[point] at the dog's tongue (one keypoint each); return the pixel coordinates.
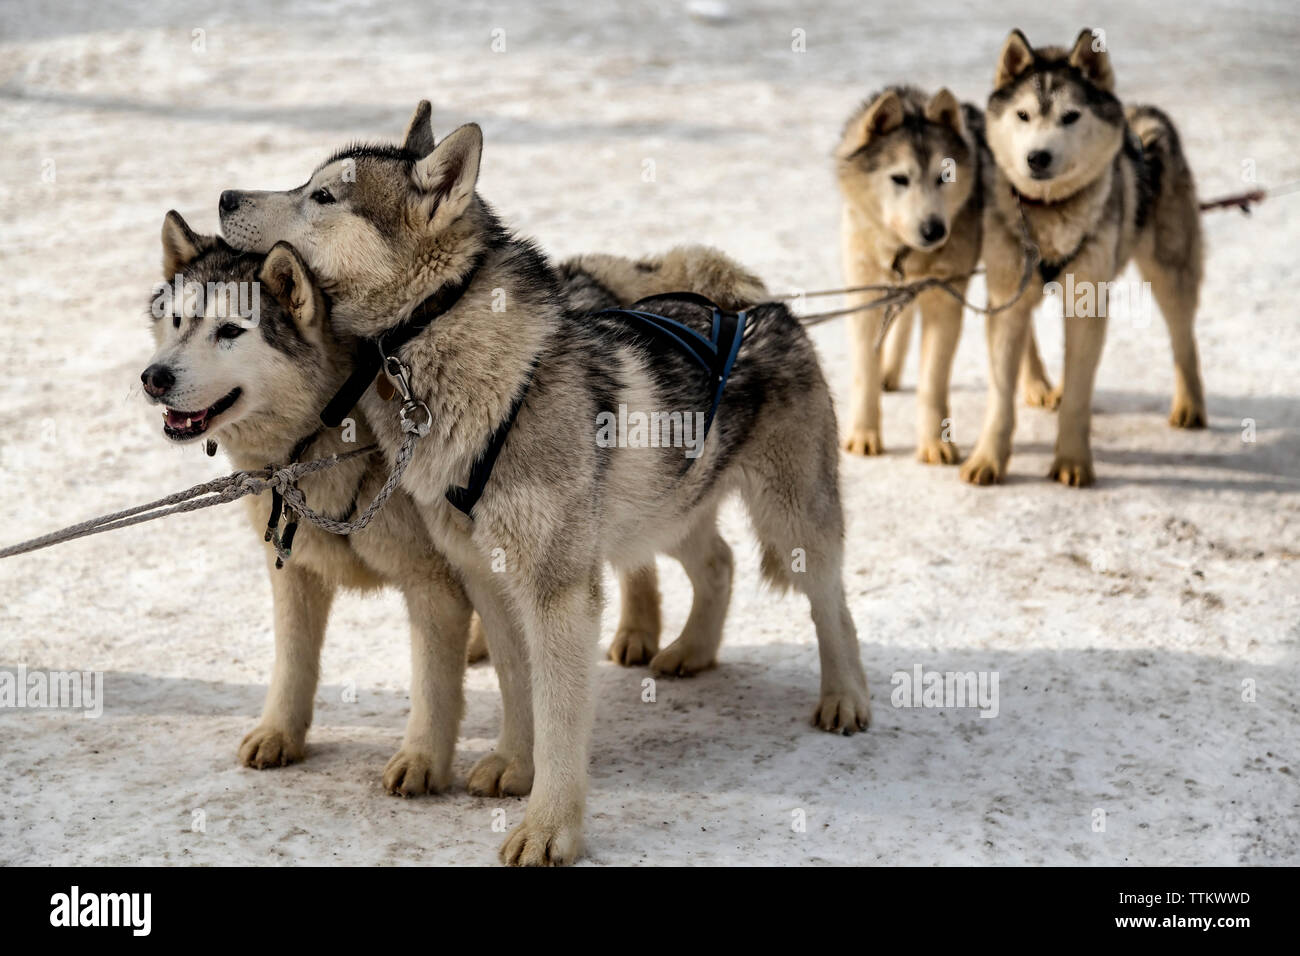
(183, 419)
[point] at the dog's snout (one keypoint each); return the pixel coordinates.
(933, 229)
(157, 379)
(1039, 160)
(229, 200)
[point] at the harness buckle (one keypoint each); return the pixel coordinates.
(400, 376)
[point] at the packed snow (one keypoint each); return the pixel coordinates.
(1143, 632)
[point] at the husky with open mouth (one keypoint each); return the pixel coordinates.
(405, 247)
(256, 384)
(1094, 185)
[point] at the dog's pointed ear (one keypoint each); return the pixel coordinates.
(287, 278)
(419, 131)
(1089, 57)
(1016, 57)
(884, 115)
(944, 109)
(445, 179)
(180, 244)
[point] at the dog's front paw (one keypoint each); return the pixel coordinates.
(536, 843)
(891, 380)
(632, 646)
(1075, 471)
(266, 746)
(934, 451)
(411, 773)
(1187, 413)
(843, 711)
(864, 441)
(1039, 393)
(981, 468)
(498, 776)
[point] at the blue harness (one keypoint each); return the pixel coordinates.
(716, 354)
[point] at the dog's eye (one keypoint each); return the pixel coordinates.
(1070, 116)
(230, 331)
(1024, 117)
(899, 179)
(323, 196)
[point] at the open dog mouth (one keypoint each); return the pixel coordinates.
(182, 426)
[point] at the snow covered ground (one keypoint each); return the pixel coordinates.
(1144, 632)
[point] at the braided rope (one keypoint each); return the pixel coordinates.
(295, 499)
(232, 487)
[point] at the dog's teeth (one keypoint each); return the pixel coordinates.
(187, 422)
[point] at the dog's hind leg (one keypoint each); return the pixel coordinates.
(707, 561)
(302, 605)
(1035, 386)
(894, 351)
(508, 768)
(1176, 289)
(795, 507)
(439, 617)
(637, 637)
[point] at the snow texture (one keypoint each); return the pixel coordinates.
(1127, 623)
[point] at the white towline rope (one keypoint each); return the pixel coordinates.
(232, 487)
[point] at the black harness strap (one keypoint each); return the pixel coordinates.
(716, 354)
(370, 352)
(464, 499)
(285, 540)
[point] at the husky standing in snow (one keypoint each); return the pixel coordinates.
(407, 251)
(257, 389)
(1096, 186)
(910, 169)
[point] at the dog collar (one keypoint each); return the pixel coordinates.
(370, 353)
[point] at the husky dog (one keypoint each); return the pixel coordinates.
(1096, 187)
(909, 168)
(598, 281)
(388, 229)
(258, 390)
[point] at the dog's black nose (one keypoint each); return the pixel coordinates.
(229, 201)
(933, 229)
(157, 379)
(1038, 161)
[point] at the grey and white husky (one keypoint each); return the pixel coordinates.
(1096, 186)
(385, 229)
(255, 382)
(910, 170)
